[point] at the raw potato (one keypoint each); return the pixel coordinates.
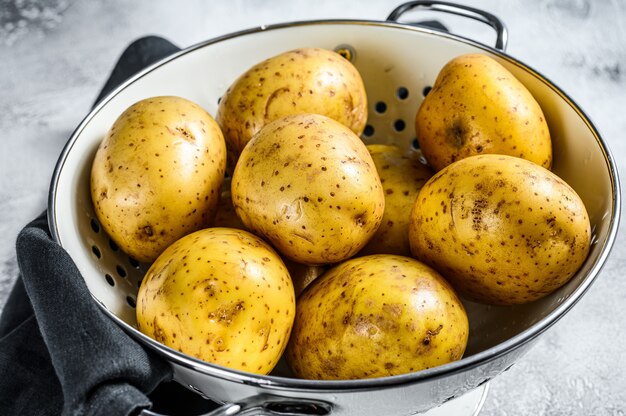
(502, 230)
(301, 274)
(477, 106)
(376, 316)
(309, 186)
(226, 215)
(157, 175)
(402, 176)
(221, 295)
(306, 80)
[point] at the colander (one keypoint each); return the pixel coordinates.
(398, 63)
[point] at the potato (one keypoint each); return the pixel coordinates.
(308, 185)
(477, 106)
(301, 274)
(306, 80)
(501, 229)
(402, 176)
(221, 295)
(226, 215)
(157, 175)
(376, 316)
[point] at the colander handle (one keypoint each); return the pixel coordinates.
(267, 405)
(459, 10)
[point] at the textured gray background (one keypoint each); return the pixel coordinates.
(56, 54)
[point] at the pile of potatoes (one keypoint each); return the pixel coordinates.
(346, 259)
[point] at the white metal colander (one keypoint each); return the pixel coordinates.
(398, 64)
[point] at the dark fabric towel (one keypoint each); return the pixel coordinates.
(59, 354)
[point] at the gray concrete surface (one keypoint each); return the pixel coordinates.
(56, 54)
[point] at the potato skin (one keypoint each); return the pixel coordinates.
(501, 229)
(402, 176)
(376, 316)
(226, 215)
(221, 295)
(477, 106)
(157, 175)
(301, 274)
(308, 185)
(306, 80)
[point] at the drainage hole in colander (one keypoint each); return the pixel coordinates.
(96, 251)
(113, 246)
(346, 51)
(399, 125)
(139, 282)
(415, 144)
(426, 90)
(402, 93)
(368, 131)
(109, 279)
(218, 100)
(133, 262)
(380, 107)
(95, 226)
(120, 270)
(131, 301)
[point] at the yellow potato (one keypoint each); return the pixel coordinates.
(157, 175)
(501, 229)
(376, 316)
(306, 80)
(226, 215)
(402, 176)
(303, 275)
(221, 295)
(477, 106)
(309, 186)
